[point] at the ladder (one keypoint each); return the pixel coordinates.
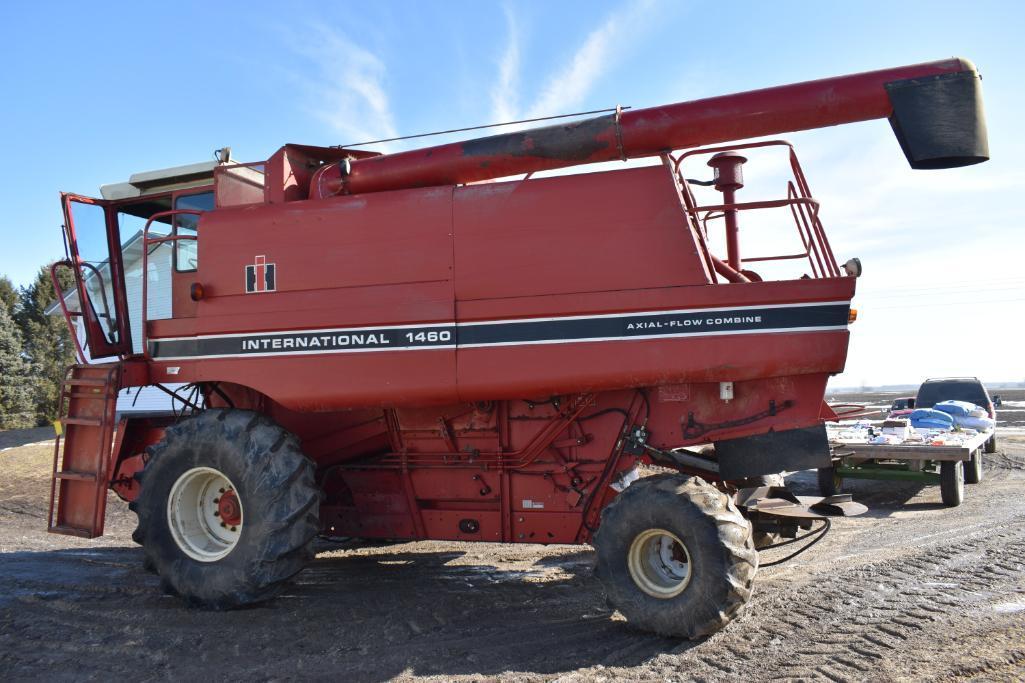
(78, 487)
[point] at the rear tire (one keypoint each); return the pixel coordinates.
(829, 481)
(973, 468)
(675, 556)
(268, 535)
(952, 482)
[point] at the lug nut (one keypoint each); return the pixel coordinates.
(223, 525)
(220, 490)
(216, 501)
(217, 513)
(234, 528)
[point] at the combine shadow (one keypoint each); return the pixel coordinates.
(364, 615)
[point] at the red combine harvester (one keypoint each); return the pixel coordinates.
(380, 346)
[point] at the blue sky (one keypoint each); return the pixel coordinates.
(92, 95)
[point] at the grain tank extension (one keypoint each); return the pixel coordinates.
(434, 344)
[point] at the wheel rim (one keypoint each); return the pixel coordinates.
(659, 563)
(204, 513)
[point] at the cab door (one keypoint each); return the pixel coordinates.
(96, 255)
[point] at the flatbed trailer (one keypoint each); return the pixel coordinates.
(949, 466)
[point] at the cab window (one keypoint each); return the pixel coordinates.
(186, 254)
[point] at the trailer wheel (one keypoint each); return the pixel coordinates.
(829, 481)
(675, 556)
(227, 509)
(973, 468)
(952, 482)
(991, 444)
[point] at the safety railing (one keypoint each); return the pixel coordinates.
(68, 315)
(803, 207)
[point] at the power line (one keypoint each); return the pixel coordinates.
(488, 125)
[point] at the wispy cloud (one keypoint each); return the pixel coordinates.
(569, 86)
(344, 84)
(504, 100)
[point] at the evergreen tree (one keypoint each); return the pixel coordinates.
(16, 406)
(8, 294)
(48, 344)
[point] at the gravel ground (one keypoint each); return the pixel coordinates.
(910, 591)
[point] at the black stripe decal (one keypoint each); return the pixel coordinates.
(546, 331)
(654, 324)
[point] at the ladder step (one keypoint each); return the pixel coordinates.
(85, 397)
(70, 531)
(84, 421)
(85, 382)
(76, 476)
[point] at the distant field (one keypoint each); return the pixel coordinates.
(1010, 415)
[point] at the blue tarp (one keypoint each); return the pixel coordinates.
(927, 418)
(957, 408)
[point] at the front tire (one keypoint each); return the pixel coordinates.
(228, 509)
(675, 556)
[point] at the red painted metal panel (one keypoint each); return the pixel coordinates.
(551, 369)
(468, 486)
(661, 298)
(445, 525)
(614, 231)
(546, 527)
(387, 239)
(314, 248)
(330, 382)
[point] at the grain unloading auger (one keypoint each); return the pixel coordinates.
(380, 346)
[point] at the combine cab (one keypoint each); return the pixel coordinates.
(380, 346)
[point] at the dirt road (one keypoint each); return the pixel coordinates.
(911, 591)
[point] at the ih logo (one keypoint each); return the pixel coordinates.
(261, 276)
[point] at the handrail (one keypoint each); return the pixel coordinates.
(103, 295)
(64, 306)
(146, 241)
(803, 207)
(728, 148)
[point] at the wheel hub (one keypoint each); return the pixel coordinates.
(229, 508)
(204, 514)
(659, 563)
